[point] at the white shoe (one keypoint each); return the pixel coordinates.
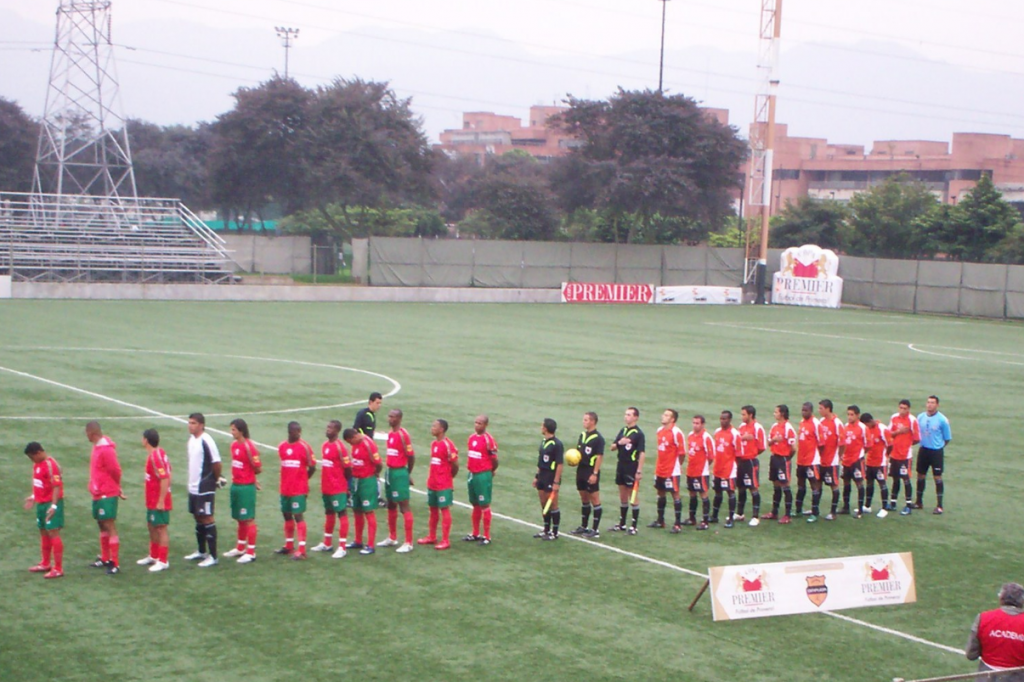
(339, 553)
(865, 510)
(404, 549)
(208, 561)
(148, 561)
(196, 556)
(387, 542)
(882, 513)
(247, 558)
(158, 566)
(321, 548)
(755, 521)
(233, 553)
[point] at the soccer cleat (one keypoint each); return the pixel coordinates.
(426, 541)
(484, 542)
(690, 522)
(541, 535)
(443, 545)
(892, 505)
(40, 568)
(728, 523)
(113, 570)
(812, 519)
(656, 524)
(631, 530)
(856, 514)
(617, 527)
(99, 563)
(551, 536)
(808, 513)
(231, 553)
(195, 556)
(158, 566)
(905, 511)
(148, 561)
(283, 550)
(593, 534)
(784, 519)
(472, 538)
(322, 548)
(405, 548)
(367, 551)
(754, 522)
(844, 510)
(247, 558)
(882, 513)
(739, 517)
(918, 505)
(578, 530)
(770, 516)
(353, 545)
(339, 553)
(830, 517)
(299, 556)
(702, 526)
(388, 542)
(713, 519)
(54, 574)
(208, 562)
(937, 511)
(677, 528)
(865, 510)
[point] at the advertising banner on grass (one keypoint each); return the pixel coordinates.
(785, 588)
(681, 295)
(595, 292)
(5, 286)
(808, 275)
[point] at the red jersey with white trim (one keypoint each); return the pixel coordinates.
(45, 477)
(876, 440)
(830, 435)
(481, 448)
(701, 448)
(750, 449)
(104, 470)
(243, 471)
(333, 461)
(787, 433)
(727, 444)
(671, 446)
(399, 449)
(854, 438)
(903, 443)
(442, 454)
(157, 469)
(365, 458)
(296, 458)
(807, 443)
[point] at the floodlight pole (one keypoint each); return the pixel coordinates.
(769, 145)
(661, 61)
(287, 36)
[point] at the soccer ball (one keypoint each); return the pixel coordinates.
(573, 457)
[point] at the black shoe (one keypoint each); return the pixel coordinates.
(282, 550)
(99, 563)
(702, 526)
(593, 534)
(484, 542)
(617, 527)
(677, 528)
(631, 530)
(844, 510)
(541, 535)
(578, 530)
(690, 522)
(656, 524)
(550, 536)
(473, 538)
(713, 519)
(728, 523)
(112, 569)
(351, 545)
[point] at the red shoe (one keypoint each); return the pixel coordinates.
(54, 574)
(784, 518)
(426, 541)
(444, 544)
(299, 556)
(39, 568)
(769, 516)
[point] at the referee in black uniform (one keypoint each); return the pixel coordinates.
(549, 478)
(630, 445)
(588, 475)
(366, 424)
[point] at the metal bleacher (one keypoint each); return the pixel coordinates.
(46, 237)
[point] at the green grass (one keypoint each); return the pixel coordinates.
(517, 610)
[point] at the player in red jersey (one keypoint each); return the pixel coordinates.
(47, 499)
(444, 466)
(335, 470)
(668, 467)
(830, 447)
(366, 464)
(905, 434)
(397, 482)
(297, 466)
(877, 445)
(854, 439)
(105, 486)
(807, 459)
(782, 442)
(158, 502)
(482, 463)
(748, 467)
(700, 446)
(245, 467)
(727, 444)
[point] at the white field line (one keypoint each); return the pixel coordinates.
(511, 519)
(961, 357)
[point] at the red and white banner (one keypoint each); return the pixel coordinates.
(780, 589)
(808, 276)
(591, 292)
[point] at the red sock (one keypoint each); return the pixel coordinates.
(393, 523)
(57, 544)
(104, 547)
(115, 546)
(433, 522)
(44, 549)
(342, 530)
(302, 536)
(289, 535)
(329, 530)
(250, 539)
(408, 527)
(371, 529)
(446, 523)
(359, 527)
(476, 520)
(243, 534)
(153, 554)
(487, 522)
(162, 552)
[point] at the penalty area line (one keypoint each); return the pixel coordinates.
(503, 517)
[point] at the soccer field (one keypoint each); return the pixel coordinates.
(519, 609)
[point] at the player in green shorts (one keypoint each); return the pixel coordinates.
(48, 500)
(158, 502)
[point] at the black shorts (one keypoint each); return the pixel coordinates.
(625, 474)
(726, 484)
(829, 475)
(583, 483)
(854, 472)
(667, 484)
(546, 481)
(876, 474)
(926, 457)
(201, 505)
(748, 473)
(807, 472)
(697, 484)
(779, 469)
(899, 468)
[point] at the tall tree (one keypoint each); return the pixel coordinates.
(811, 221)
(646, 154)
(18, 137)
(172, 161)
(891, 220)
(977, 226)
(512, 200)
